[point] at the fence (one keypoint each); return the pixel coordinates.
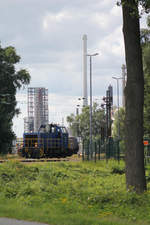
(107, 149)
(147, 151)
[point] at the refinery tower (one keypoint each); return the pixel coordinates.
(85, 95)
(37, 106)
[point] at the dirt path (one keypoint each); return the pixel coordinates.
(6, 221)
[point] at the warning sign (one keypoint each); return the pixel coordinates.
(145, 142)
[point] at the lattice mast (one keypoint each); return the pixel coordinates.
(37, 108)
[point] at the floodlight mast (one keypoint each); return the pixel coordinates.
(117, 79)
(91, 55)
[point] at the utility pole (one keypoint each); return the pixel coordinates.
(117, 79)
(91, 55)
(123, 84)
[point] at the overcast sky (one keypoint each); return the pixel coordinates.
(48, 36)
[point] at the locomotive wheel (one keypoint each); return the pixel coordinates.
(41, 152)
(38, 152)
(21, 152)
(29, 154)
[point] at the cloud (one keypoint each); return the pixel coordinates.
(48, 37)
(113, 43)
(52, 20)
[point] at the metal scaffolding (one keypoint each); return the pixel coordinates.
(37, 109)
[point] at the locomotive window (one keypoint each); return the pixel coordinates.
(47, 128)
(42, 130)
(53, 129)
(64, 130)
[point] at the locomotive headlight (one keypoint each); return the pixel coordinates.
(36, 144)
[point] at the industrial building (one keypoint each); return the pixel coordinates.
(37, 106)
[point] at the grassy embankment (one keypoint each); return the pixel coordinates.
(71, 193)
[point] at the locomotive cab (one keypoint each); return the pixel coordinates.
(54, 139)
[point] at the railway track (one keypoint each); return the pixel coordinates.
(36, 160)
(24, 160)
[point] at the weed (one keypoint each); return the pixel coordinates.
(117, 170)
(79, 192)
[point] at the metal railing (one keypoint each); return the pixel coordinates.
(100, 149)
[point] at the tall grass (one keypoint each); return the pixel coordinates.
(71, 193)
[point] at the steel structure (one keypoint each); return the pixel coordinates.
(37, 109)
(28, 124)
(85, 94)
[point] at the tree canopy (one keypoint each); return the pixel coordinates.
(121, 124)
(145, 40)
(79, 124)
(145, 5)
(10, 81)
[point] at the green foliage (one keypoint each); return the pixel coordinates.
(145, 41)
(121, 127)
(80, 193)
(118, 170)
(10, 81)
(145, 4)
(121, 123)
(79, 124)
(146, 66)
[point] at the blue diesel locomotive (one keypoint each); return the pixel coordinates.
(51, 140)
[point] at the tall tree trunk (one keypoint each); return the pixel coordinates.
(134, 94)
